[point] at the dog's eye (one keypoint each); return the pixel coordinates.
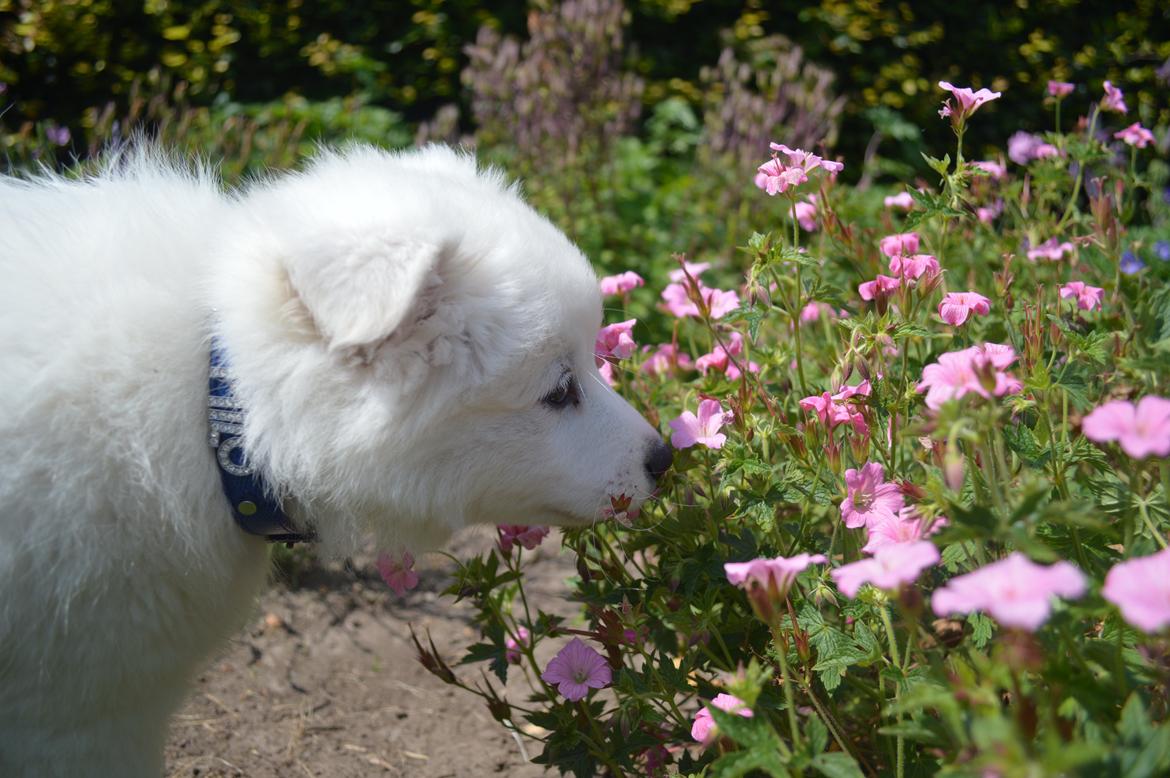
(564, 395)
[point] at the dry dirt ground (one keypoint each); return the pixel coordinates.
(324, 682)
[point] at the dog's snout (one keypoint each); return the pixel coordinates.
(658, 459)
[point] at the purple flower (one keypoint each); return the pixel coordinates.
(576, 670)
(1162, 250)
(57, 135)
(1113, 100)
(1130, 263)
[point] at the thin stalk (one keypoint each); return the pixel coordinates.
(900, 766)
(1150, 523)
(789, 697)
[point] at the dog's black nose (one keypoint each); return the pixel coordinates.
(658, 459)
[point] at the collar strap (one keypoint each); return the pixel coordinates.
(253, 506)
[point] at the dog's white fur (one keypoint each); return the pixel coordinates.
(393, 323)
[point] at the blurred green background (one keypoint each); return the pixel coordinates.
(636, 126)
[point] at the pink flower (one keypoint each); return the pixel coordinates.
(901, 200)
(1135, 135)
(957, 306)
(615, 341)
(608, 374)
(666, 360)
(1113, 100)
(987, 213)
(512, 534)
(994, 170)
(621, 283)
(704, 429)
(513, 648)
(775, 176)
(399, 573)
(1141, 589)
(1023, 147)
(806, 214)
(1059, 89)
(907, 527)
(815, 310)
(915, 267)
(889, 568)
(900, 244)
(695, 269)
(869, 498)
(978, 369)
(1088, 297)
(833, 410)
(702, 729)
(1141, 430)
(576, 670)
(1015, 591)
(881, 288)
(1050, 250)
(774, 575)
(966, 102)
(719, 302)
(720, 359)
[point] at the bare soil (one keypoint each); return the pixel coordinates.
(325, 681)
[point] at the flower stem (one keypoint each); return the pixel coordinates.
(1150, 523)
(789, 697)
(894, 655)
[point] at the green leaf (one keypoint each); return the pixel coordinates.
(1022, 441)
(836, 764)
(981, 629)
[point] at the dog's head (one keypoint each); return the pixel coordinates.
(414, 345)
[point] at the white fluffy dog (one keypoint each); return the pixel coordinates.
(410, 348)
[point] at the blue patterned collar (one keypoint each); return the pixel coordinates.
(253, 506)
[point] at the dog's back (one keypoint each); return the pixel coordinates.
(101, 368)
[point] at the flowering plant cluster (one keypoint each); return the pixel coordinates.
(917, 519)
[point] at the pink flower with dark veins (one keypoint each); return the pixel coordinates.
(902, 200)
(615, 341)
(869, 498)
(702, 429)
(957, 306)
(806, 214)
(695, 269)
(900, 244)
(703, 728)
(520, 534)
(890, 568)
(1014, 591)
(665, 360)
(908, 526)
(576, 669)
(994, 170)
(915, 267)
(978, 369)
(1141, 589)
(399, 573)
(966, 102)
(1113, 100)
(513, 648)
(721, 360)
(621, 283)
(1141, 429)
(1050, 250)
(1135, 135)
(881, 287)
(1088, 298)
(774, 575)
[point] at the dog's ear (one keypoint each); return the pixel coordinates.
(364, 292)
